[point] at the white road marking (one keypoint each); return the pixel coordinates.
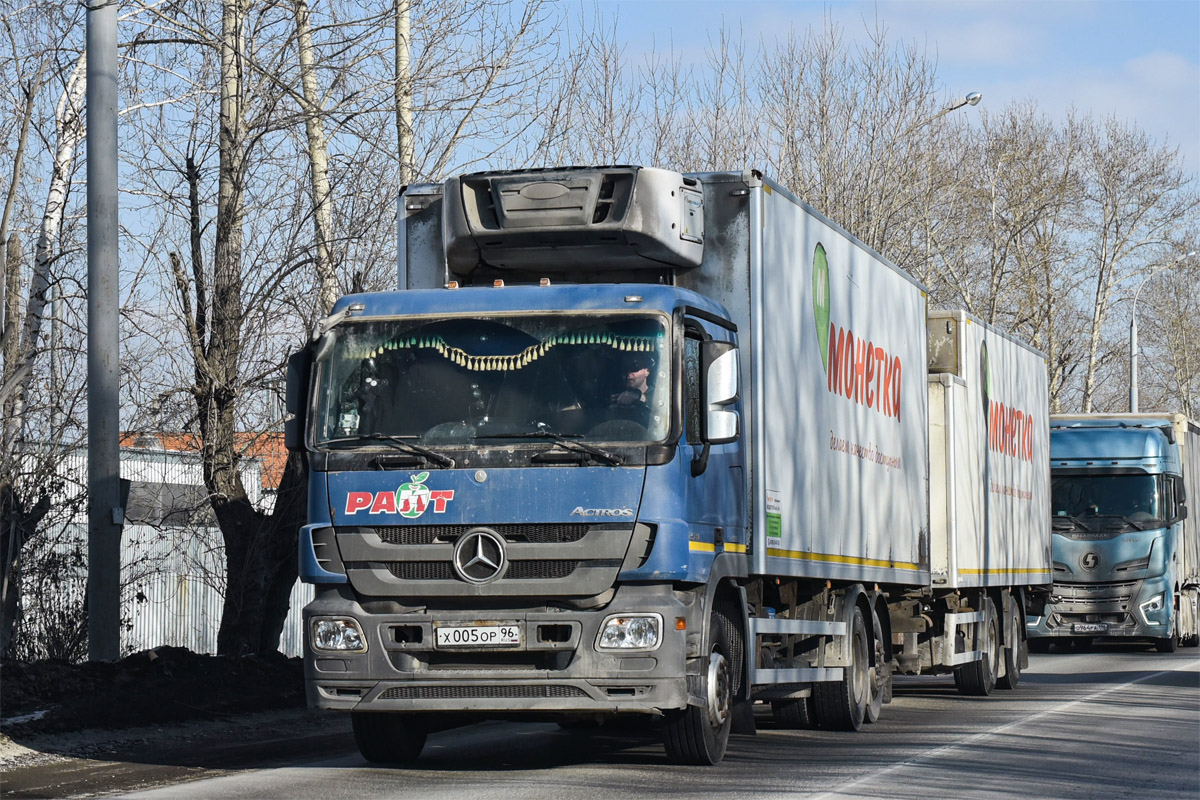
(841, 791)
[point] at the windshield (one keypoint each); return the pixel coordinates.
(602, 378)
(1106, 502)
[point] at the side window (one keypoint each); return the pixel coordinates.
(691, 388)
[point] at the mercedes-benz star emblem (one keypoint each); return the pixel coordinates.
(479, 556)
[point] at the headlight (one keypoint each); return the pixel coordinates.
(342, 635)
(630, 632)
(1151, 606)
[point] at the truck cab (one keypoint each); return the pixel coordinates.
(1117, 511)
(525, 485)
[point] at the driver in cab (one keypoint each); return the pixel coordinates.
(635, 375)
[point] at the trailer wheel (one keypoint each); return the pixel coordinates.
(978, 678)
(881, 672)
(1189, 638)
(842, 705)
(384, 738)
(1012, 653)
(794, 713)
(699, 736)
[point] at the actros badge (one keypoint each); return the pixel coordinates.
(580, 511)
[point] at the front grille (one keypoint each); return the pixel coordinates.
(565, 559)
(560, 533)
(503, 692)
(517, 570)
(1090, 593)
(540, 569)
(421, 570)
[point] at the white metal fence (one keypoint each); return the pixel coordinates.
(172, 557)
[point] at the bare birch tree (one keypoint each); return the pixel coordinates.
(1137, 200)
(25, 502)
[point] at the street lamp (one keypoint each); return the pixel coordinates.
(1133, 344)
(969, 99)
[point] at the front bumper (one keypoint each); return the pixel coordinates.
(1119, 610)
(556, 668)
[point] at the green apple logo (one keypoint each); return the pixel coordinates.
(413, 498)
(820, 291)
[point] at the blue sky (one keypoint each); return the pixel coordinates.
(1136, 59)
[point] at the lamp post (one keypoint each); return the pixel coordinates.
(969, 99)
(1133, 342)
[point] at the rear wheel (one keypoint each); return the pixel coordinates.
(697, 735)
(978, 678)
(388, 738)
(842, 705)
(1012, 651)
(796, 713)
(881, 671)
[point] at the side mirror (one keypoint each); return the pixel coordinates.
(299, 368)
(1181, 509)
(721, 370)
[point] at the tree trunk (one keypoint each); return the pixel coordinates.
(21, 510)
(318, 161)
(402, 90)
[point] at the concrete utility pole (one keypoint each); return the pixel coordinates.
(105, 517)
(1133, 333)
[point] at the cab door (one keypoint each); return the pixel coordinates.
(716, 488)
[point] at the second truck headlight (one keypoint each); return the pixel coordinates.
(1151, 606)
(630, 632)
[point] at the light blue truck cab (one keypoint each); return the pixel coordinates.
(1124, 546)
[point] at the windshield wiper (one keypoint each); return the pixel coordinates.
(564, 441)
(400, 443)
(1075, 522)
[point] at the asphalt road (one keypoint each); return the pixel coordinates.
(1111, 722)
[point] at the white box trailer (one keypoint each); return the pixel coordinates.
(989, 454)
(891, 447)
(834, 391)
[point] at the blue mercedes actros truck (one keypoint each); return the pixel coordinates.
(632, 443)
(1126, 547)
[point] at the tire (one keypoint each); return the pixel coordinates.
(842, 705)
(384, 738)
(794, 713)
(1171, 643)
(1192, 638)
(881, 672)
(978, 678)
(699, 736)
(1012, 652)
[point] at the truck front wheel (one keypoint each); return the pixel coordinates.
(696, 735)
(1171, 643)
(388, 738)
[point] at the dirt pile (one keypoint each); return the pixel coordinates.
(160, 686)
